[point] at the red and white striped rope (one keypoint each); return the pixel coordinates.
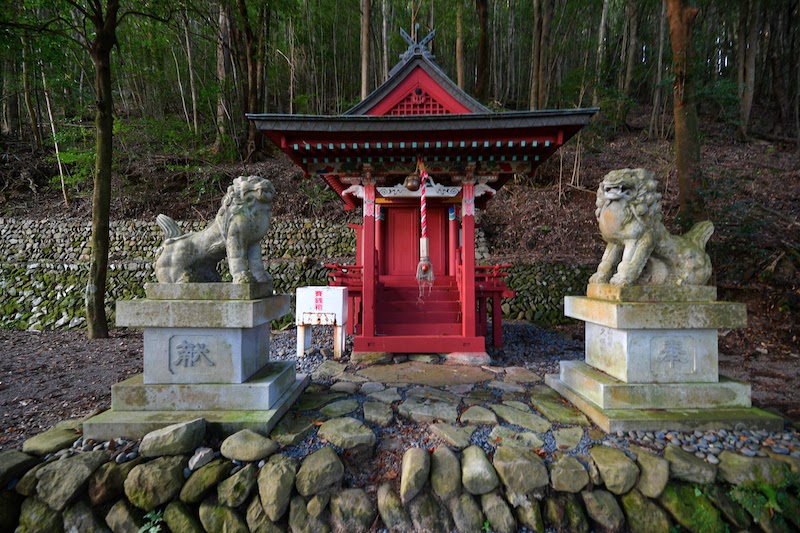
(423, 210)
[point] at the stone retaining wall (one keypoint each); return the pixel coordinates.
(250, 483)
(44, 268)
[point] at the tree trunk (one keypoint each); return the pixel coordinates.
(535, 56)
(104, 39)
(687, 136)
(26, 86)
(547, 16)
(192, 84)
(633, 45)
(749, 17)
(460, 44)
(10, 100)
(365, 23)
(482, 80)
(601, 48)
(652, 131)
(385, 37)
(252, 70)
(776, 46)
(223, 66)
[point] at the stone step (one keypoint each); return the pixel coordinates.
(260, 392)
(416, 329)
(135, 424)
(610, 393)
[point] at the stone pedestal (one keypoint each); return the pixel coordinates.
(652, 361)
(206, 353)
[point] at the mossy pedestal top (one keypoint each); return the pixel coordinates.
(207, 291)
(655, 307)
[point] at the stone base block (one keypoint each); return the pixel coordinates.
(201, 313)
(652, 293)
(135, 424)
(610, 393)
(654, 355)
(204, 355)
(613, 420)
(207, 291)
(467, 358)
(656, 315)
(260, 392)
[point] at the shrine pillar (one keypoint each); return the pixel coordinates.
(452, 241)
(369, 275)
(468, 256)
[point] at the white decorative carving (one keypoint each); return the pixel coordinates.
(433, 190)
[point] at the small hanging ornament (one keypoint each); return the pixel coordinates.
(424, 267)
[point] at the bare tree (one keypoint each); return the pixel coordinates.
(748, 30)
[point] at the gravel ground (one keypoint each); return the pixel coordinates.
(49, 376)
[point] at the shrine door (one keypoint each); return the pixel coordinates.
(401, 245)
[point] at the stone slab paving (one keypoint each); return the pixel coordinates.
(425, 374)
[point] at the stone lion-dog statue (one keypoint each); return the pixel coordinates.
(236, 232)
(640, 250)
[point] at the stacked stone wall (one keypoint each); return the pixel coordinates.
(251, 484)
(44, 267)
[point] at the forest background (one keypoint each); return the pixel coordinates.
(125, 108)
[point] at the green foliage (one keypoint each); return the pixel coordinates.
(154, 521)
(78, 168)
(486, 526)
(317, 193)
(764, 500)
(719, 95)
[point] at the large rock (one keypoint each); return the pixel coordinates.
(292, 429)
(520, 469)
(54, 439)
(378, 413)
(503, 436)
(340, 408)
(522, 419)
(456, 437)
(477, 473)
(619, 473)
(644, 516)
(124, 518)
(215, 517)
(60, 482)
(177, 439)
(445, 473)
(498, 513)
(107, 482)
(156, 482)
(564, 513)
(36, 516)
(247, 445)
(732, 512)
(466, 512)
(425, 411)
(603, 509)
(391, 509)
(691, 508)
(478, 415)
(178, 517)
(80, 518)
(319, 471)
(235, 490)
(548, 402)
(568, 475)
(346, 433)
(204, 479)
(568, 438)
(529, 515)
(427, 514)
(275, 482)
(737, 469)
(685, 466)
(258, 521)
(352, 511)
(13, 464)
(416, 468)
(302, 522)
(653, 472)
(26, 485)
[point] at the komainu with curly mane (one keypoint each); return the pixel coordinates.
(236, 232)
(640, 250)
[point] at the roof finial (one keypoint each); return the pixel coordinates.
(417, 48)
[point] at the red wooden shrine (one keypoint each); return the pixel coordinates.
(420, 116)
